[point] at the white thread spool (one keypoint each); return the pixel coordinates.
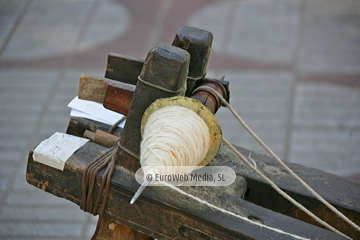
(201, 110)
(201, 138)
(174, 136)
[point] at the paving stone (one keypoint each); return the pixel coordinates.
(326, 127)
(34, 197)
(20, 183)
(22, 126)
(7, 169)
(262, 100)
(4, 183)
(8, 155)
(90, 230)
(21, 104)
(326, 117)
(47, 28)
(57, 115)
(261, 30)
(41, 214)
(41, 238)
(331, 37)
(12, 143)
(27, 77)
(320, 105)
(45, 230)
(213, 18)
(331, 151)
(266, 31)
(9, 12)
(98, 31)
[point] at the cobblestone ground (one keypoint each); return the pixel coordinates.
(294, 68)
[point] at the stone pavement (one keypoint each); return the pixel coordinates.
(294, 68)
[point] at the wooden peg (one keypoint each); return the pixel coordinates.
(100, 137)
(198, 43)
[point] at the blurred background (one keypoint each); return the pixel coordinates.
(293, 67)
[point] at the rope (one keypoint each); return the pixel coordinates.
(114, 126)
(230, 213)
(281, 192)
(159, 87)
(88, 182)
(317, 196)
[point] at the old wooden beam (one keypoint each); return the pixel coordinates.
(117, 96)
(342, 193)
(163, 75)
(123, 68)
(165, 214)
(117, 63)
(100, 90)
(110, 230)
(77, 127)
(198, 43)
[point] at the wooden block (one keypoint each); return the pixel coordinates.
(163, 75)
(118, 97)
(198, 43)
(123, 68)
(77, 126)
(129, 74)
(114, 95)
(92, 88)
(109, 230)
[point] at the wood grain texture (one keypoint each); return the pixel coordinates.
(95, 89)
(123, 68)
(118, 97)
(161, 213)
(340, 192)
(100, 137)
(92, 88)
(163, 75)
(77, 127)
(109, 230)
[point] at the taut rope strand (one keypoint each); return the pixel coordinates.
(312, 191)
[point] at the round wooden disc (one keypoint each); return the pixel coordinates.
(201, 110)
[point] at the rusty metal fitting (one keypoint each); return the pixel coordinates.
(208, 98)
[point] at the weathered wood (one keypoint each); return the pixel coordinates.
(118, 97)
(163, 75)
(78, 126)
(198, 43)
(92, 88)
(343, 194)
(123, 68)
(109, 230)
(134, 66)
(95, 89)
(100, 137)
(165, 214)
